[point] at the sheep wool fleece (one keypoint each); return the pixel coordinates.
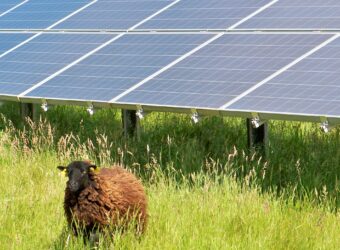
(115, 195)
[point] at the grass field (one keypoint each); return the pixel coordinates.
(205, 189)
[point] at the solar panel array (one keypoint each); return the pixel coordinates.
(213, 14)
(39, 14)
(118, 66)
(309, 87)
(298, 15)
(10, 40)
(175, 54)
(106, 15)
(223, 69)
(41, 57)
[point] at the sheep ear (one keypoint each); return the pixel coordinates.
(93, 168)
(63, 170)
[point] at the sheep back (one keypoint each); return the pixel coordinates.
(115, 196)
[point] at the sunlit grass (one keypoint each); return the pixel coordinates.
(206, 189)
(207, 212)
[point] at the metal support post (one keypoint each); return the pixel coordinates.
(257, 136)
(129, 120)
(27, 110)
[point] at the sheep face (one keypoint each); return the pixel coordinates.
(78, 175)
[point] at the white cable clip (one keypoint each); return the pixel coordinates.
(325, 126)
(195, 117)
(44, 106)
(256, 122)
(90, 109)
(140, 113)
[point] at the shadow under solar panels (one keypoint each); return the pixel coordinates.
(222, 70)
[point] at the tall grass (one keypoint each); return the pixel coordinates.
(206, 189)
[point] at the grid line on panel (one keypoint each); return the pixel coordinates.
(117, 15)
(295, 98)
(252, 14)
(250, 90)
(272, 112)
(30, 39)
(72, 14)
(176, 92)
(292, 106)
(69, 66)
(310, 87)
(27, 65)
(90, 53)
(297, 15)
(115, 99)
(48, 28)
(235, 62)
(20, 44)
(205, 15)
(225, 107)
(153, 15)
(10, 40)
(119, 73)
(25, 18)
(304, 84)
(13, 8)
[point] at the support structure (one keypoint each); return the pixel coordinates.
(257, 136)
(27, 110)
(129, 119)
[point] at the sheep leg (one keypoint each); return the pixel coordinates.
(94, 240)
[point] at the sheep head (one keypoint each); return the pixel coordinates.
(78, 173)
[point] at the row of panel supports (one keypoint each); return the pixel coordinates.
(257, 136)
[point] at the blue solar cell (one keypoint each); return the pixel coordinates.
(114, 14)
(39, 14)
(118, 66)
(10, 40)
(6, 5)
(42, 56)
(297, 14)
(310, 87)
(223, 69)
(209, 14)
(293, 106)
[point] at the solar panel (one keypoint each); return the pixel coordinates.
(118, 66)
(39, 14)
(267, 72)
(297, 14)
(41, 57)
(10, 40)
(114, 14)
(7, 5)
(312, 87)
(204, 14)
(222, 70)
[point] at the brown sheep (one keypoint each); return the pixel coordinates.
(106, 198)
